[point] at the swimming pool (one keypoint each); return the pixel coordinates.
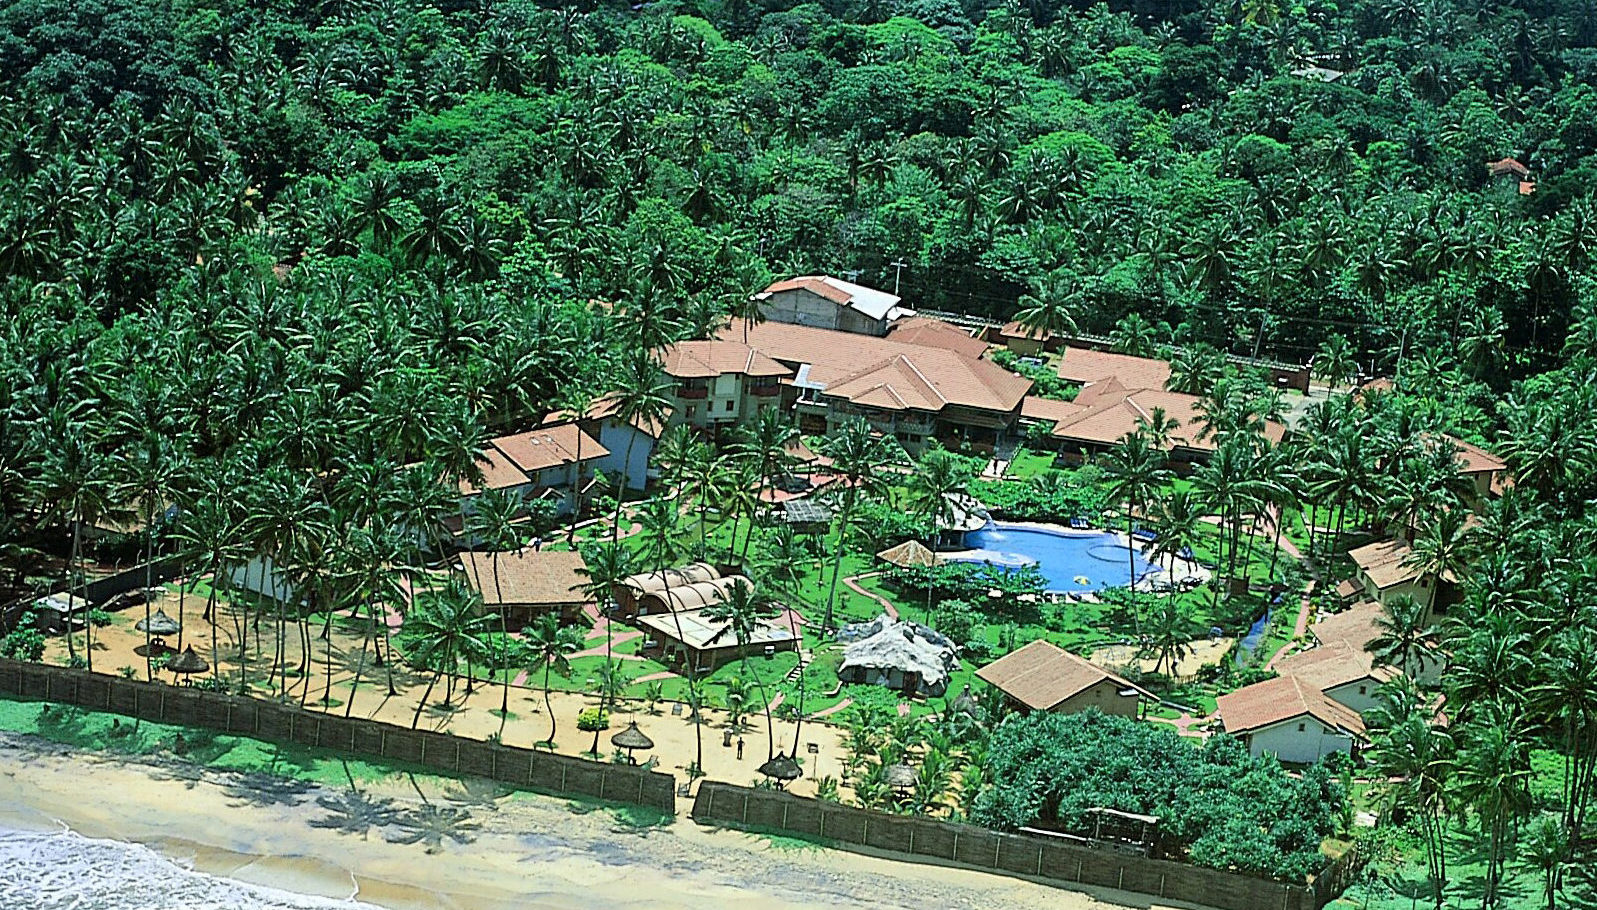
(1069, 560)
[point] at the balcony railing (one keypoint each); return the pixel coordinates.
(765, 391)
(693, 393)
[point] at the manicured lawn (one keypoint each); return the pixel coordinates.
(1028, 464)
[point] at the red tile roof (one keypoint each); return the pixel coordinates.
(708, 359)
(1080, 365)
(498, 473)
(1335, 663)
(549, 447)
(1382, 561)
(603, 408)
(1110, 411)
(881, 372)
(1507, 166)
(527, 577)
(1041, 675)
(1473, 459)
(928, 332)
(1038, 408)
(1274, 701)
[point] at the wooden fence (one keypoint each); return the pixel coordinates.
(1015, 854)
(523, 768)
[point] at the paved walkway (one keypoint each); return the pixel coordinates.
(827, 712)
(852, 583)
(775, 702)
(1184, 724)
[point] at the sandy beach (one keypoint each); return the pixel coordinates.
(515, 850)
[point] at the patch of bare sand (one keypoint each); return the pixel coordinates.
(522, 851)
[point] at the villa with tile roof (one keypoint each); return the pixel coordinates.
(721, 382)
(821, 301)
(1290, 719)
(1042, 676)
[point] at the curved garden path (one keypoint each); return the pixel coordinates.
(852, 582)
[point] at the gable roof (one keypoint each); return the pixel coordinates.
(1274, 701)
(881, 372)
(1354, 626)
(498, 473)
(1382, 561)
(1038, 408)
(1473, 459)
(1332, 664)
(928, 332)
(720, 357)
(527, 577)
(549, 447)
(1013, 329)
(1041, 675)
(873, 303)
(1503, 167)
(1109, 411)
(1083, 366)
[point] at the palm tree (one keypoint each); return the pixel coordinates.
(549, 645)
(1136, 473)
(444, 630)
(659, 519)
(858, 456)
(765, 442)
(576, 398)
(1441, 551)
(744, 611)
(1045, 310)
(642, 396)
(153, 473)
(74, 480)
(1549, 849)
(492, 523)
(1168, 633)
(1402, 637)
(210, 535)
(1178, 518)
(1415, 756)
(1334, 361)
(1195, 369)
(1134, 335)
(1567, 694)
(605, 566)
(1494, 779)
(940, 478)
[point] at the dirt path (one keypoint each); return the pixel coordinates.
(852, 582)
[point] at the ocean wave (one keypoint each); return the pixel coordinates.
(67, 871)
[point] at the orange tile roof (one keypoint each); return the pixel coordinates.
(1332, 664)
(1354, 626)
(549, 447)
(498, 473)
(1274, 701)
(886, 373)
(1505, 166)
(1081, 365)
(1473, 459)
(707, 359)
(1038, 408)
(928, 332)
(1041, 675)
(528, 577)
(1382, 561)
(1110, 411)
(1014, 329)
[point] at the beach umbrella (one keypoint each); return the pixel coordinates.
(781, 769)
(631, 738)
(158, 625)
(899, 777)
(909, 553)
(188, 662)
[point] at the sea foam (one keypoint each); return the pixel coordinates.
(67, 871)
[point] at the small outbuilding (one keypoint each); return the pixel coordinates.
(527, 584)
(1045, 677)
(630, 589)
(675, 638)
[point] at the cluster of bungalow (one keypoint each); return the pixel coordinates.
(675, 610)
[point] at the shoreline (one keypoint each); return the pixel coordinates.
(517, 850)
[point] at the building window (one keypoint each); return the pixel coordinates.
(729, 404)
(1361, 690)
(692, 409)
(1302, 727)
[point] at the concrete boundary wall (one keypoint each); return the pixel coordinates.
(1044, 858)
(562, 775)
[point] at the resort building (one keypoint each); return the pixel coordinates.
(1357, 627)
(1084, 366)
(913, 392)
(1025, 342)
(1344, 673)
(629, 444)
(629, 590)
(1290, 719)
(543, 462)
(1045, 677)
(1485, 471)
(527, 584)
(936, 333)
(674, 639)
(1106, 410)
(721, 383)
(824, 302)
(1383, 575)
(694, 596)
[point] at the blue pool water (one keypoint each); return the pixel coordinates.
(1069, 560)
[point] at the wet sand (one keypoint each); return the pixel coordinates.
(520, 851)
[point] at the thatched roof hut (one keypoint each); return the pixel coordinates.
(899, 654)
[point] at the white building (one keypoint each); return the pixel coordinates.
(1290, 719)
(824, 302)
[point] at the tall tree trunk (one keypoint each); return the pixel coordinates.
(837, 558)
(621, 488)
(416, 718)
(74, 568)
(149, 556)
(360, 664)
(548, 705)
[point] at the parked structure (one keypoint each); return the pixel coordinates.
(527, 584)
(822, 301)
(1045, 677)
(1290, 719)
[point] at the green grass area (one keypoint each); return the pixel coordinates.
(1028, 464)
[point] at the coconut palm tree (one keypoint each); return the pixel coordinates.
(1403, 636)
(1045, 309)
(604, 567)
(1549, 849)
(1494, 777)
(858, 457)
(1168, 633)
(940, 478)
(444, 630)
(1136, 472)
(642, 396)
(210, 535)
(659, 520)
(745, 611)
(1334, 361)
(549, 647)
(492, 525)
(1415, 756)
(764, 442)
(74, 481)
(1441, 550)
(1567, 696)
(152, 475)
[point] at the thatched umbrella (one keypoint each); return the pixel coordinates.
(188, 663)
(158, 627)
(781, 769)
(909, 553)
(899, 777)
(631, 738)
